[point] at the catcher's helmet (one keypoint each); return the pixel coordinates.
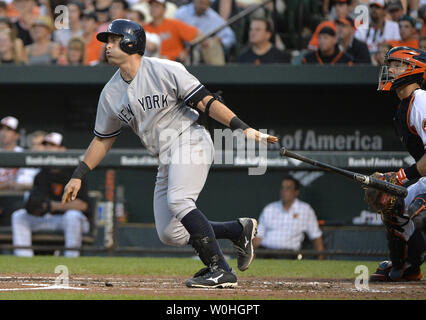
(133, 35)
(413, 66)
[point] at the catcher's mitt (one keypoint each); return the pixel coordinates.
(390, 207)
(37, 205)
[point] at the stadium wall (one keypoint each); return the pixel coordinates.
(312, 108)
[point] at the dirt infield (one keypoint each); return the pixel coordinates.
(250, 288)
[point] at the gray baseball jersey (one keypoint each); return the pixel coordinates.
(153, 101)
(152, 104)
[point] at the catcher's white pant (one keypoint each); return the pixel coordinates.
(73, 222)
(413, 190)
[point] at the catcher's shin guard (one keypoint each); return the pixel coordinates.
(416, 249)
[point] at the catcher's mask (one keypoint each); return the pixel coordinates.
(402, 66)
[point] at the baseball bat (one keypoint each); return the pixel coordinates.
(365, 180)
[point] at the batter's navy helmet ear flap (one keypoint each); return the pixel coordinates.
(133, 35)
(414, 62)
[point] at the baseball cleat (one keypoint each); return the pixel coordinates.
(201, 272)
(244, 244)
(385, 273)
(213, 278)
(382, 272)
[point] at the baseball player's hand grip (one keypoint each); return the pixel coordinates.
(363, 179)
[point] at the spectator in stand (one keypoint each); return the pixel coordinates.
(225, 8)
(42, 51)
(118, 9)
(63, 36)
(173, 33)
(216, 49)
(283, 224)
(7, 25)
(94, 48)
(380, 29)
(144, 7)
(395, 9)
(153, 41)
(76, 52)
(3, 9)
(261, 49)
(408, 32)
(27, 13)
(342, 11)
(422, 44)
(349, 44)
(10, 53)
(44, 211)
(328, 50)
(102, 11)
(378, 57)
(422, 18)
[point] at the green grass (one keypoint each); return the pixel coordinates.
(180, 266)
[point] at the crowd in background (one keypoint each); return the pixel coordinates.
(35, 32)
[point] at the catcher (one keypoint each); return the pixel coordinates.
(405, 219)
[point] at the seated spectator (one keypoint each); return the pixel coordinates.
(9, 136)
(3, 9)
(283, 224)
(102, 13)
(205, 19)
(153, 41)
(225, 8)
(144, 7)
(328, 51)
(44, 210)
(27, 12)
(262, 50)
(379, 56)
(380, 29)
(342, 8)
(63, 36)
(93, 48)
(18, 44)
(422, 44)
(43, 51)
(173, 33)
(8, 49)
(395, 9)
(408, 32)
(118, 9)
(349, 44)
(422, 18)
(76, 52)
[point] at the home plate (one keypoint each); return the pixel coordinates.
(40, 286)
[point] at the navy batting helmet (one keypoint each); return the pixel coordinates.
(133, 35)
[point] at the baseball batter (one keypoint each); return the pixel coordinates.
(404, 73)
(158, 99)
